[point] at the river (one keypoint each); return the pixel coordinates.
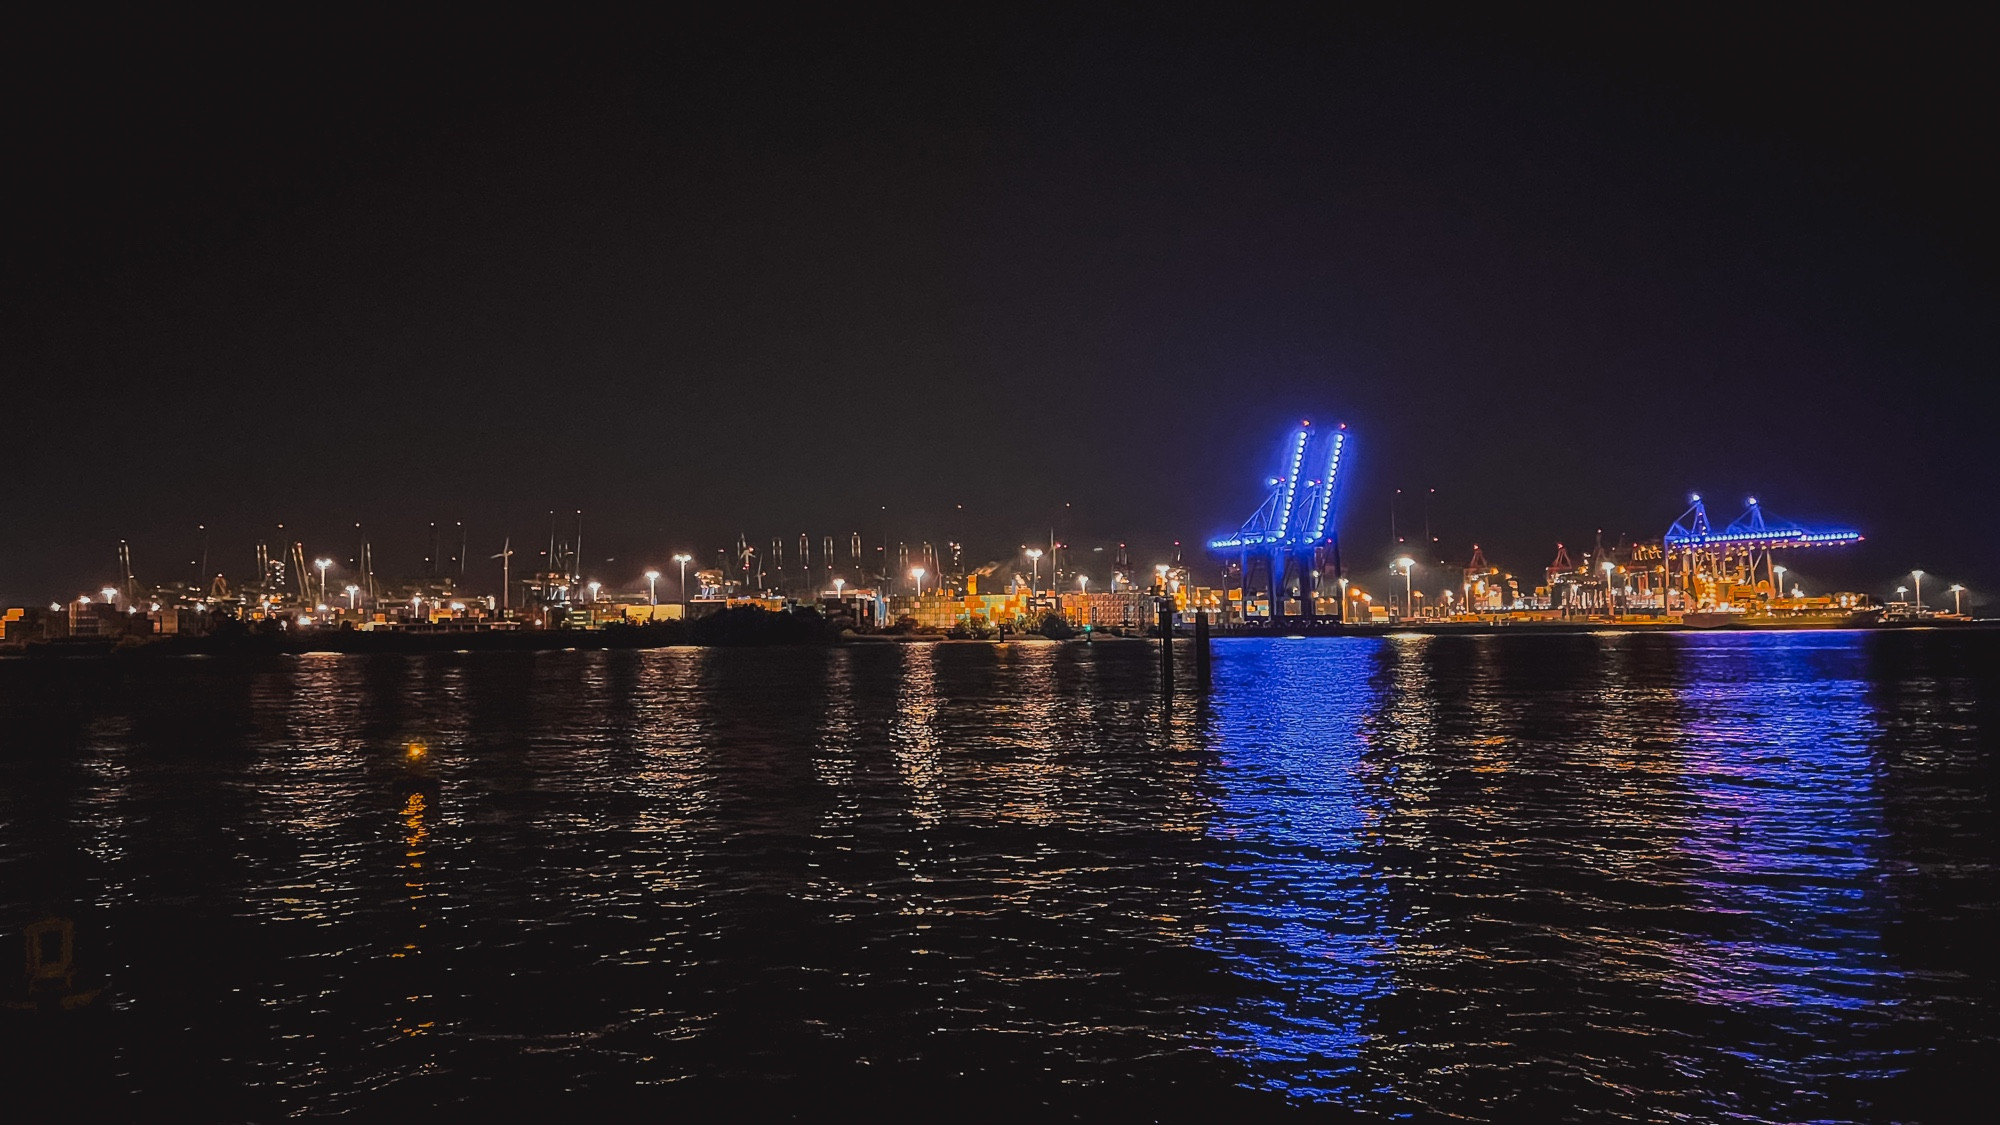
(1607, 877)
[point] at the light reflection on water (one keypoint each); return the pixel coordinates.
(1611, 876)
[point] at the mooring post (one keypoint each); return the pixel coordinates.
(1201, 648)
(1166, 646)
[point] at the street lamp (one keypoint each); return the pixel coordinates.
(1900, 591)
(1780, 591)
(110, 595)
(322, 564)
(1034, 568)
(652, 585)
(1343, 601)
(1083, 583)
(351, 591)
(1957, 592)
(837, 584)
(1919, 576)
(593, 588)
(1405, 563)
(917, 573)
(683, 560)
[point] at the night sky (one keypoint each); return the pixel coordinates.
(698, 279)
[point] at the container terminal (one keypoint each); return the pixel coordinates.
(1280, 571)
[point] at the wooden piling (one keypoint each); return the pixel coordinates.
(1201, 648)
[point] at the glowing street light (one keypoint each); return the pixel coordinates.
(1781, 579)
(1034, 568)
(322, 564)
(917, 573)
(593, 587)
(1343, 601)
(1900, 591)
(1919, 576)
(351, 591)
(1957, 607)
(652, 588)
(684, 560)
(1609, 566)
(837, 584)
(1404, 564)
(1083, 583)
(110, 594)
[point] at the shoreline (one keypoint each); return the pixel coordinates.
(359, 643)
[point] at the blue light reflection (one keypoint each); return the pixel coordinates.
(1299, 906)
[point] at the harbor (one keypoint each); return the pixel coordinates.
(1281, 572)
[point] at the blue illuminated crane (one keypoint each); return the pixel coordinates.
(1708, 566)
(1296, 521)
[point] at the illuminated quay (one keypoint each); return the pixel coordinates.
(1282, 569)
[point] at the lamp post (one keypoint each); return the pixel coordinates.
(593, 587)
(1034, 569)
(1083, 583)
(322, 564)
(837, 584)
(652, 587)
(683, 560)
(1957, 606)
(917, 573)
(351, 591)
(1343, 601)
(1900, 591)
(1405, 563)
(1780, 591)
(1919, 576)
(110, 595)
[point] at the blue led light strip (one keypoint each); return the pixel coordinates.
(1325, 506)
(1283, 520)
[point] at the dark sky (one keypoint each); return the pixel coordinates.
(698, 279)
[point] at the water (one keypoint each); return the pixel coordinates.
(1678, 877)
